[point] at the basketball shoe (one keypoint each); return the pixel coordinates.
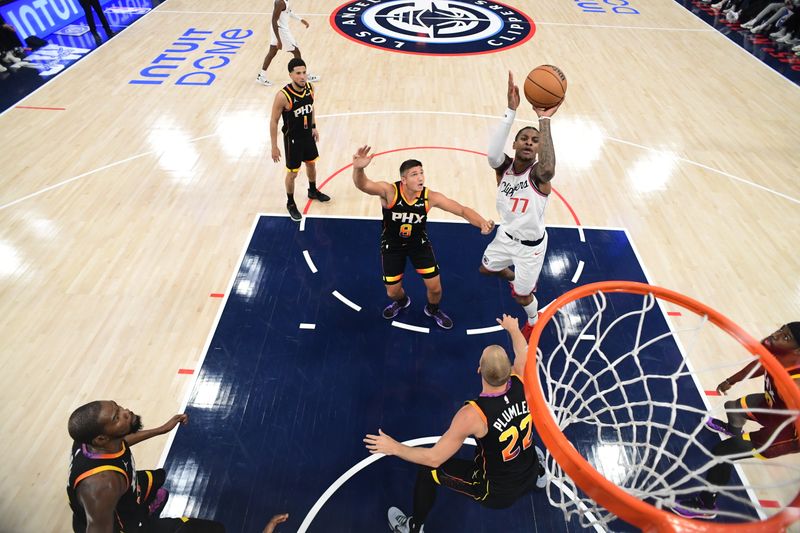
(695, 508)
(714, 424)
(315, 194)
(293, 212)
(261, 79)
(541, 476)
(158, 503)
(394, 308)
(313, 78)
(399, 522)
(442, 320)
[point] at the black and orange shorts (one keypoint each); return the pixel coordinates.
(393, 260)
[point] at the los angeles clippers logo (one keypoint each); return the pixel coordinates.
(433, 27)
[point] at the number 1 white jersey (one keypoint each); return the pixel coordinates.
(521, 205)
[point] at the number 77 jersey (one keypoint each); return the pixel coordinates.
(521, 204)
(506, 455)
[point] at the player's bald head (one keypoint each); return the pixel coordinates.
(495, 366)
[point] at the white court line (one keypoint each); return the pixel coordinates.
(237, 13)
(303, 223)
(571, 496)
(578, 272)
(481, 331)
(345, 301)
(206, 346)
(309, 262)
(693, 374)
(587, 337)
(312, 513)
(79, 176)
(70, 180)
(446, 113)
(706, 167)
(580, 234)
(612, 27)
(409, 327)
(741, 48)
(303, 325)
(74, 65)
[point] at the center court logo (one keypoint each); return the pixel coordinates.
(433, 27)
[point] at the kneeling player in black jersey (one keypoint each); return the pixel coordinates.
(106, 492)
(507, 464)
(405, 206)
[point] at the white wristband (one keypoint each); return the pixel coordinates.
(508, 115)
(544, 118)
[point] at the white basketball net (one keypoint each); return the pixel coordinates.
(642, 434)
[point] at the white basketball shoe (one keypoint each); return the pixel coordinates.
(541, 479)
(399, 522)
(263, 80)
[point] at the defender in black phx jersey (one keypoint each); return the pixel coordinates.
(507, 463)
(405, 206)
(295, 104)
(106, 493)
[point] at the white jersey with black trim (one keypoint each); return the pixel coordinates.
(521, 205)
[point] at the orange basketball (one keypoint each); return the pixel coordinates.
(545, 86)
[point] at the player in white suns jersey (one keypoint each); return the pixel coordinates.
(523, 188)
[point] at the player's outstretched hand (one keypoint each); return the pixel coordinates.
(181, 418)
(724, 387)
(487, 227)
(381, 443)
(547, 112)
(362, 157)
(508, 323)
(274, 521)
(513, 92)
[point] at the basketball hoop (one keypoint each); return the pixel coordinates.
(580, 383)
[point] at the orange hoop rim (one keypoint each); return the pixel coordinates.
(595, 485)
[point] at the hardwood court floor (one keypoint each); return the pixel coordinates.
(121, 214)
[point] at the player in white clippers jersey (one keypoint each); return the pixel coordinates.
(523, 188)
(282, 39)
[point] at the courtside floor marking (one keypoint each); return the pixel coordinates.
(311, 266)
(409, 327)
(447, 113)
(481, 331)
(346, 301)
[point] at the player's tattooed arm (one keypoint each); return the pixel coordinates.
(546, 167)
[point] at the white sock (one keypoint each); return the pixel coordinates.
(532, 310)
(264, 73)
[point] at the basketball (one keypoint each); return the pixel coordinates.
(545, 86)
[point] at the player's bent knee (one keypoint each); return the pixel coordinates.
(394, 291)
